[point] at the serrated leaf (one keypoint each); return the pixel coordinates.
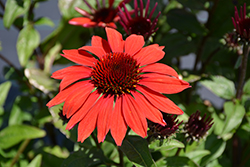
(12, 135)
(89, 157)
(177, 161)
(44, 21)
(234, 115)
(220, 86)
(4, 90)
(136, 149)
(36, 162)
(40, 80)
(14, 9)
(246, 88)
(28, 40)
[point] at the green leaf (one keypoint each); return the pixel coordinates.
(67, 8)
(12, 135)
(178, 161)
(184, 21)
(215, 146)
(58, 123)
(197, 155)
(246, 88)
(52, 55)
(14, 9)
(234, 115)
(44, 21)
(28, 40)
(220, 86)
(168, 145)
(36, 162)
(4, 90)
(40, 80)
(136, 149)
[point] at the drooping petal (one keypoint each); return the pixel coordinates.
(60, 74)
(80, 114)
(118, 126)
(161, 69)
(62, 95)
(151, 113)
(115, 40)
(163, 84)
(133, 115)
(82, 21)
(103, 121)
(79, 56)
(75, 100)
(133, 44)
(149, 54)
(160, 101)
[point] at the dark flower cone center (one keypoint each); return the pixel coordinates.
(139, 26)
(116, 74)
(105, 15)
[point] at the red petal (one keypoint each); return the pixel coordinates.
(133, 44)
(112, 24)
(84, 110)
(161, 69)
(118, 126)
(75, 100)
(82, 21)
(88, 123)
(62, 95)
(160, 101)
(100, 42)
(70, 79)
(149, 54)
(103, 121)
(98, 51)
(69, 70)
(134, 115)
(115, 40)
(151, 113)
(163, 84)
(80, 57)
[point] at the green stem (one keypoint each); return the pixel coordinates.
(243, 70)
(19, 152)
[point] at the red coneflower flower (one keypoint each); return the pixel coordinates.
(100, 17)
(242, 23)
(120, 87)
(197, 126)
(140, 23)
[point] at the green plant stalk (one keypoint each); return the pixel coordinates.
(243, 70)
(19, 152)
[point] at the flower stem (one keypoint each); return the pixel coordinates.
(243, 70)
(19, 152)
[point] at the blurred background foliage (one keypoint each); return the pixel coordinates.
(32, 135)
